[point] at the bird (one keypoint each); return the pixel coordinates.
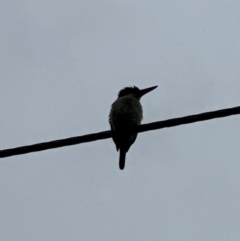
(125, 115)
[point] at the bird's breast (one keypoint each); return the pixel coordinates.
(126, 112)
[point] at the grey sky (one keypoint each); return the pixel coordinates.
(61, 66)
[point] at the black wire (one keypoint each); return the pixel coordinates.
(107, 134)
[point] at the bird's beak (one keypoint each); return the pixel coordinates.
(145, 91)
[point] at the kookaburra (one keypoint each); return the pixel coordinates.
(125, 115)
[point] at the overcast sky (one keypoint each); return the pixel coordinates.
(62, 64)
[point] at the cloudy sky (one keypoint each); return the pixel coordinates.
(62, 64)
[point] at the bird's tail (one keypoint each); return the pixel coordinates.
(122, 159)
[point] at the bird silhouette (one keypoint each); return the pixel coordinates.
(125, 115)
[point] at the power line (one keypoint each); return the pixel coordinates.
(107, 134)
(55, 144)
(190, 119)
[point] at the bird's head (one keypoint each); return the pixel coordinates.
(135, 91)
